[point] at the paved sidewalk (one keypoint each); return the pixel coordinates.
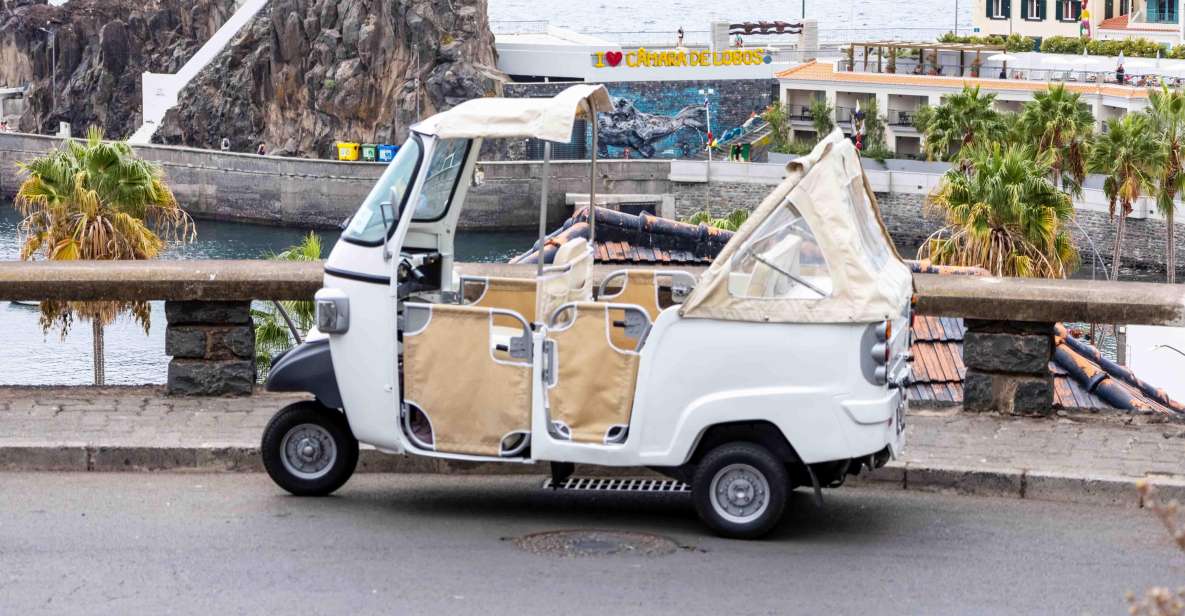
(1094, 458)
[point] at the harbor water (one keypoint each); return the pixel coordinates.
(34, 357)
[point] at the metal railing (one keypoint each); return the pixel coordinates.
(1136, 77)
(799, 112)
(901, 118)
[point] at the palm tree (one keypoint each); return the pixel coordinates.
(96, 200)
(1003, 214)
(1131, 155)
(1167, 114)
(960, 121)
(732, 222)
(821, 113)
(1057, 121)
(778, 118)
(273, 322)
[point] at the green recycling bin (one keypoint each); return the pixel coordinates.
(369, 152)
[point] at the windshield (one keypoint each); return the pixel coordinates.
(448, 157)
(367, 227)
(782, 260)
(872, 239)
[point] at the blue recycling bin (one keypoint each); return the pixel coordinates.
(387, 152)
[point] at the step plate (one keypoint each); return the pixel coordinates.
(613, 484)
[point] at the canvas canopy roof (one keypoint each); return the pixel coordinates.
(868, 281)
(551, 119)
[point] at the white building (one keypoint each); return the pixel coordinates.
(899, 94)
(547, 53)
(1157, 20)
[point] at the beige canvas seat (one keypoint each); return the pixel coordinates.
(567, 279)
(644, 288)
(592, 395)
(476, 399)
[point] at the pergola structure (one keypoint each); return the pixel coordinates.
(892, 47)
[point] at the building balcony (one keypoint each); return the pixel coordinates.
(1167, 15)
(901, 119)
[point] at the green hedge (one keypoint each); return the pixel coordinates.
(1012, 42)
(1131, 48)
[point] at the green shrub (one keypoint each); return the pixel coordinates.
(1131, 48)
(1063, 44)
(1012, 42)
(796, 148)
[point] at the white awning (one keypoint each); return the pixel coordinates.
(499, 118)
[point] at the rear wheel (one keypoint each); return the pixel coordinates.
(308, 449)
(740, 490)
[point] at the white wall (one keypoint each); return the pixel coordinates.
(1162, 367)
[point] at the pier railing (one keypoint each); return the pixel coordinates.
(211, 338)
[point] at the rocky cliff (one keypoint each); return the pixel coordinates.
(99, 49)
(307, 73)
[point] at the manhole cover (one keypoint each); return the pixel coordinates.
(596, 543)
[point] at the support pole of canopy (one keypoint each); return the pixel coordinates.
(543, 206)
(592, 179)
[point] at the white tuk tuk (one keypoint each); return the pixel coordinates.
(784, 365)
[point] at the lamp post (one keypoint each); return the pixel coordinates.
(708, 115)
(957, 17)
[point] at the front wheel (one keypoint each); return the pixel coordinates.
(308, 449)
(740, 490)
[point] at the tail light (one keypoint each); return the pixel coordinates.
(881, 350)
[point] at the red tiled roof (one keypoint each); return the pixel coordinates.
(1115, 23)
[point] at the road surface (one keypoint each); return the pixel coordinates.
(406, 544)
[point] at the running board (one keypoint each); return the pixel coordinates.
(609, 484)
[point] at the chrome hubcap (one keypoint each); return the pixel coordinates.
(740, 493)
(308, 451)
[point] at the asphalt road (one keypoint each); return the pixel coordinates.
(186, 543)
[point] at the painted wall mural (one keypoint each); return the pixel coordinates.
(645, 133)
(663, 119)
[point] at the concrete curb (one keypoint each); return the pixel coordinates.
(1002, 482)
(1034, 484)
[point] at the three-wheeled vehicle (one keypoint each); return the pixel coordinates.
(782, 365)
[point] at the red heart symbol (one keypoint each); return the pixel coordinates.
(613, 57)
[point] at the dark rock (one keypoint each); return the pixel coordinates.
(207, 313)
(977, 392)
(1031, 395)
(1015, 353)
(1009, 327)
(210, 342)
(305, 74)
(198, 377)
(113, 47)
(101, 47)
(185, 342)
(1008, 393)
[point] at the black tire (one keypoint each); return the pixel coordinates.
(318, 428)
(762, 483)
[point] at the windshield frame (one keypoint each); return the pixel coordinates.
(413, 186)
